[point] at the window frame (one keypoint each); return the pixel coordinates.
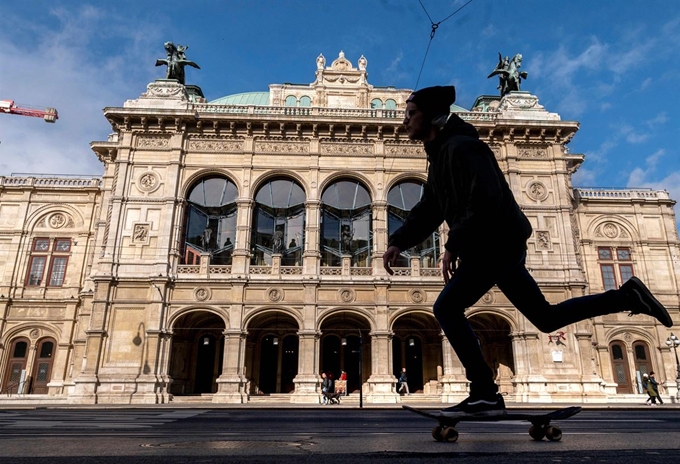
(616, 263)
(49, 255)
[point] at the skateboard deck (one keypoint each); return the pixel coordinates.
(540, 423)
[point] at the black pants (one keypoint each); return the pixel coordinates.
(474, 277)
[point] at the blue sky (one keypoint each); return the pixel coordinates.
(612, 65)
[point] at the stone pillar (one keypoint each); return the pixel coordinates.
(381, 383)
(85, 390)
(453, 380)
(241, 256)
(312, 255)
(276, 264)
(380, 236)
(346, 264)
(231, 384)
(415, 266)
(307, 380)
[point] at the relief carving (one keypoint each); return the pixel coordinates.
(153, 142)
(543, 240)
(275, 294)
(148, 181)
(202, 294)
(140, 233)
(281, 147)
(417, 296)
(346, 149)
(537, 190)
(220, 146)
(57, 221)
(532, 152)
(346, 295)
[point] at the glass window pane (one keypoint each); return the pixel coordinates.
(58, 271)
(62, 245)
(390, 104)
(640, 352)
(213, 188)
(376, 103)
(20, 350)
(41, 244)
(43, 368)
(305, 101)
(617, 352)
(35, 274)
(605, 253)
(46, 350)
(623, 254)
(291, 100)
(608, 279)
(626, 272)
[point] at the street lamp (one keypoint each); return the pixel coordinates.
(361, 380)
(674, 342)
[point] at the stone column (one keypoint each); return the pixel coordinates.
(312, 255)
(453, 380)
(307, 380)
(231, 384)
(380, 236)
(381, 383)
(85, 390)
(241, 256)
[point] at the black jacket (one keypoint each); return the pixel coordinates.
(467, 189)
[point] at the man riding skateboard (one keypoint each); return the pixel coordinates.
(486, 244)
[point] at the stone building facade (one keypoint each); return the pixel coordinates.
(233, 250)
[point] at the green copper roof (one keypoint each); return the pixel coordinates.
(248, 98)
(458, 109)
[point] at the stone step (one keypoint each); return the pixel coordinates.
(184, 399)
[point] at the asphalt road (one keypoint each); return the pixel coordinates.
(324, 435)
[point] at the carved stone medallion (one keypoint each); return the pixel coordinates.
(537, 190)
(34, 334)
(275, 294)
(57, 221)
(417, 296)
(346, 295)
(202, 293)
(148, 181)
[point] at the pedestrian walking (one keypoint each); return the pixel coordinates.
(402, 383)
(655, 386)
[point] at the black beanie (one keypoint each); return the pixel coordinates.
(434, 101)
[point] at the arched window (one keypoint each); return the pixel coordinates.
(400, 200)
(210, 224)
(278, 223)
(390, 104)
(305, 101)
(18, 357)
(346, 224)
(376, 104)
(291, 100)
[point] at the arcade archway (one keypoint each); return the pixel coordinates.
(196, 353)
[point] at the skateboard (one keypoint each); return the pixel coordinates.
(540, 423)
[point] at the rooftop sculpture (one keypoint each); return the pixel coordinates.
(175, 61)
(509, 75)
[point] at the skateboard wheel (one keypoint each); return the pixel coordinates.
(553, 433)
(537, 432)
(450, 434)
(437, 433)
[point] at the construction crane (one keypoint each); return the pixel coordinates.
(48, 114)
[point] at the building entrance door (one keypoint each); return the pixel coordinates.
(42, 368)
(16, 364)
(620, 368)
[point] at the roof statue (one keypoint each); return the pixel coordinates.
(175, 61)
(508, 73)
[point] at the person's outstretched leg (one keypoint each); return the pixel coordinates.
(523, 292)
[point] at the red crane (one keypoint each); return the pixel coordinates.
(48, 114)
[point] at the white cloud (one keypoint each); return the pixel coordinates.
(646, 83)
(65, 71)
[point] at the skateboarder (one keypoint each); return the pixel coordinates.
(486, 244)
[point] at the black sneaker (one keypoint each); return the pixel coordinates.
(644, 302)
(490, 406)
